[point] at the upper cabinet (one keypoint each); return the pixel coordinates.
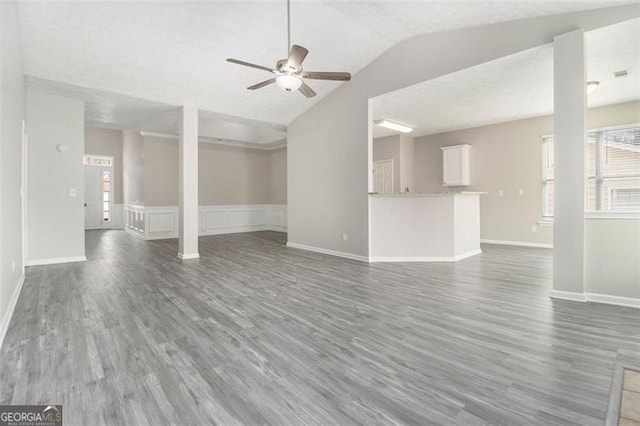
(455, 165)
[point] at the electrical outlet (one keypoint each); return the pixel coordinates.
(344, 237)
(72, 192)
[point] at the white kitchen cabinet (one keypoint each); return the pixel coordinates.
(455, 165)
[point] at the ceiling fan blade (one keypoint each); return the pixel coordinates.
(296, 56)
(306, 90)
(336, 76)
(262, 84)
(249, 64)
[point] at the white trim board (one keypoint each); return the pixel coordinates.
(54, 261)
(568, 295)
(188, 256)
(425, 258)
(516, 243)
(329, 252)
(6, 319)
(631, 302)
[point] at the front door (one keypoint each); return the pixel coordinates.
(92, 197)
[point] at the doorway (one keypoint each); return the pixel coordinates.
(98, 191)
(383, 176)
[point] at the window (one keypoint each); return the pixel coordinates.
(613, 171)
(98, 160)
(106, 196)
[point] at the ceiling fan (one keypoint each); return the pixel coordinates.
(289, 73)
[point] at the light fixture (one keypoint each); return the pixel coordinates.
(288, 82)
(393, 126)
(592, 85)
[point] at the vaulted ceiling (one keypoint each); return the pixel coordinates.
(173, 53)
(514, 87)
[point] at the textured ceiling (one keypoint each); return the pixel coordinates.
(173, 53)
(108, 110)
(514, 87)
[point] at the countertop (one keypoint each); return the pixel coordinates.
(424, 194)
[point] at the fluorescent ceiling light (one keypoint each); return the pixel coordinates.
(592, 85)
(288, 82)
(393, 126)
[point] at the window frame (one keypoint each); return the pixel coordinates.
(599, 177)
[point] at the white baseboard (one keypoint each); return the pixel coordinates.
(516, 243)
(467, 254)
(568, 295)
(37, 262)
(596, 298)
(6, 318)
(329, 252)
(376, 259)
(613, 300)
(188, 256)
(134, 233)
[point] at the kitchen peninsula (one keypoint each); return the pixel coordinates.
(421, 227)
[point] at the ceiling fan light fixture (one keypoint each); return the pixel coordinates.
(592, 85)
(393, 126)
(288, 82)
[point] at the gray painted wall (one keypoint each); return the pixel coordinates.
(612, 249)
(227, 175)
(55, 219)
(133, 168)
(12, 101)
(328, 146)
(278, 176)
(388, 148)
(107, 142)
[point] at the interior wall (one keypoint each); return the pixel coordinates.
(56, 216)
(278, 176)
(12, 113)
(388, 148)
(160, 175)
(328, 145)
(133, 168)
(228, 175)
(107, 142)
(232, 175)
(407, 162)
(507, 157)
(612, 248)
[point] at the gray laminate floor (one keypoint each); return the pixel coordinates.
(256, 333)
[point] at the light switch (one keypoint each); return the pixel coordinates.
(500, 193)
(521, 191)
(72, 192)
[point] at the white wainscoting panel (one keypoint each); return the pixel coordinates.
(134, 220)
(155, 222)
(162, 222)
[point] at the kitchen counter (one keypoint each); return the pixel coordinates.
(424, 227)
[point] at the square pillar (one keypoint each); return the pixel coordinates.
(569, 129)
(188, 182)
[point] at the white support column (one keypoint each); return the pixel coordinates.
(569, 128)
(188, 176)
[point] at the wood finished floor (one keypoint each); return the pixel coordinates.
(257, 333)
